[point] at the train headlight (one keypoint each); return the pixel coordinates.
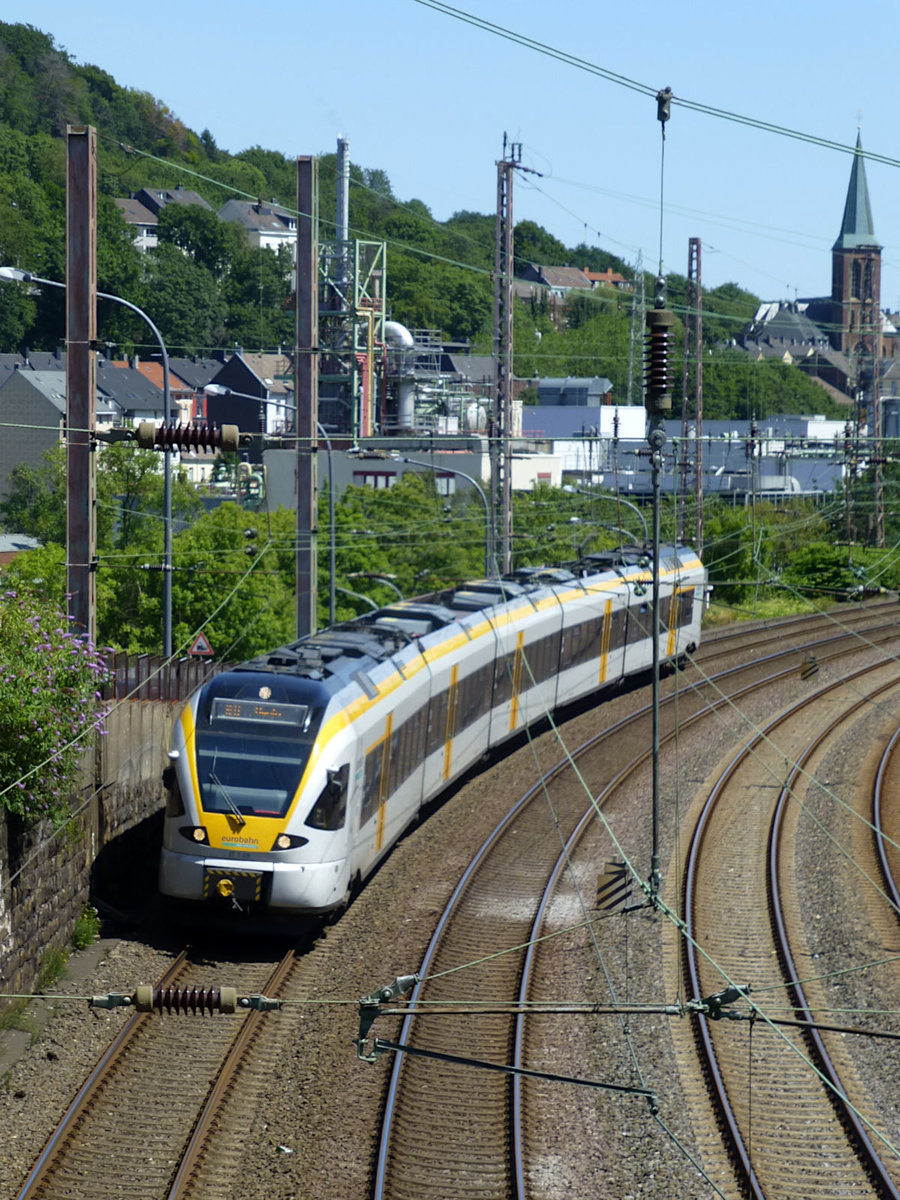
(289, 841)
(195, 833)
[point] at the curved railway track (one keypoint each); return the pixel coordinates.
(451, 1129)
(501, 902)
(743, 908)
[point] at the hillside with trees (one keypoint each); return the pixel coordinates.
(207, 288)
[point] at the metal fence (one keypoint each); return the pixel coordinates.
(150, 677)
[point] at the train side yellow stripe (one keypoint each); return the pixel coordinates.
(362, 704)
(383, 785)
(516, 679)
(451, 719)
(605, 637)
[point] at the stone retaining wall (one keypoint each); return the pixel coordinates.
(47, 876)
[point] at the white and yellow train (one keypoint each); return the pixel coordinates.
(292, 775)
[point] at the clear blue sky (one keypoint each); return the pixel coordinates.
(427, 98)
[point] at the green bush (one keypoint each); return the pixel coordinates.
(50, 707)
(87, 928)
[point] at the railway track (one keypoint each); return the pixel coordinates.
(744, 904)
(148, 1110)
(550, 1120)
(502, 902)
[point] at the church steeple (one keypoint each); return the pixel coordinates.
(857, 228)
(856, 272)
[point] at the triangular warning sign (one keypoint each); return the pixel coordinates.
(201, 646)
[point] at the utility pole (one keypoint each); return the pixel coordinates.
(499, 431)
(693, 357)
(307, 394)
(635, 343)
(81, 376)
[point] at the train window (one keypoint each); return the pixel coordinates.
(330, 810)
(640, 622)
(249, 776)
(437, 723)
(473, 696)
(503, 679)
(685, 606)
(375, 778)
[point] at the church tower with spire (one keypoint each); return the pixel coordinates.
(856, 274)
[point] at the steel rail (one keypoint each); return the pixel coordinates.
(881, 846)
(43, 1166)
(192, 1158)
(847, 1112)
(516, 1140)
(720, 1096)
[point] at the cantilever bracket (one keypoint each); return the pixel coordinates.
(711, 1006)
(368, 1010)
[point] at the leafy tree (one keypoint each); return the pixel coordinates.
(183, 299)
(197, 231)
(533, 244)
(49, 707)
(36, 498)
(250, 600)
(257, 293)
(279, 172)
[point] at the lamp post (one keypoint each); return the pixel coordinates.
(359, 596)
(387, 580)
(574, 491)
(217, 389)
(14, 273)
(488, 565)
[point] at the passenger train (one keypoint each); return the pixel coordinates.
(292, 775)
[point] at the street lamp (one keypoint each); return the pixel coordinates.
(14, 273)
(413, 462)
(574, 491)
(359, 596)
(218, 389)
(387, 580)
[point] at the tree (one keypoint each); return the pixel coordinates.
(49, 707)
(36, 499)
(197, 231)
(533, 244)
(182, 298)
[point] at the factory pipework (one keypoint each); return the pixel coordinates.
(399, 339)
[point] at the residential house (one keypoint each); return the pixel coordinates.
(142, 221)
(609, 278)
(181, 395)
(560, 280)
(12, 544)
(574, 390)
(156, 199)
(254, 392)
(265, 225)
(33, 411)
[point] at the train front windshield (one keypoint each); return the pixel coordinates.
(252, 752)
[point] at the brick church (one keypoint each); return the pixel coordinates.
(844, 340)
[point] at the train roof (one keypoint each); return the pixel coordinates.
(348, 650)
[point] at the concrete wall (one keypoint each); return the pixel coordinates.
(111, 845)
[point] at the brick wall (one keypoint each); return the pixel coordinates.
(47, 877)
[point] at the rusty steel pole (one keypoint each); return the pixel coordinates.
(307, 393)
(81, 376)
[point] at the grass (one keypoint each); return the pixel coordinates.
(53, 968)
(87, 928)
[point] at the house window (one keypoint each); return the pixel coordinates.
(445, 485)
(374, 479)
